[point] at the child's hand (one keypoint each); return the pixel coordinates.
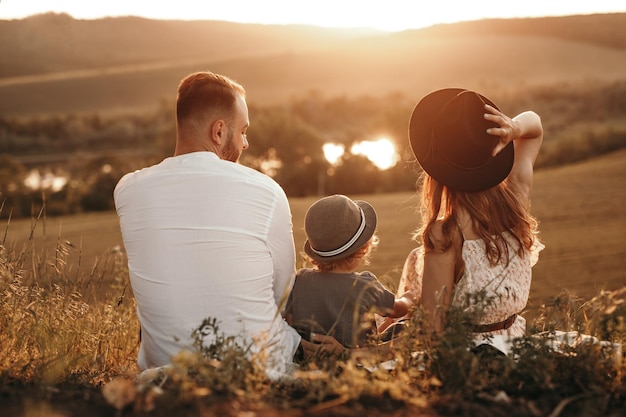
(321, 343)
(410, 295)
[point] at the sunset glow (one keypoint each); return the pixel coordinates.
(393, 15)
(333, 152)
(381, 152)
(45, 181)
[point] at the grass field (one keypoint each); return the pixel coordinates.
(580, 208)
(69, 339)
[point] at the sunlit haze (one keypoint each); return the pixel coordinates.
(333, 152)
(46, 181)
(381, 152)
(391, 15)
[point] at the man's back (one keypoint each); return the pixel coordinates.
(206, 238)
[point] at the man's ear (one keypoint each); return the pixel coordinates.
(218, 130)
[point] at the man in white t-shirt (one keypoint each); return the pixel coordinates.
(207, 237)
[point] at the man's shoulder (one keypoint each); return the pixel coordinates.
(252, 173)
(135, 175)
(239, 171)
(126, 179)
(260, 179)
(201, 164)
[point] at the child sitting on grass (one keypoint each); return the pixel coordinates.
(332, 298)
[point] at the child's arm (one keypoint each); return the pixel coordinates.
(402, 305)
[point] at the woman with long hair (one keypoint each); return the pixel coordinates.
(479, 239)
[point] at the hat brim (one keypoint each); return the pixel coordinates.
(371, 222)
(420, 134)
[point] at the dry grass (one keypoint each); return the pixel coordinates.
(59, 325)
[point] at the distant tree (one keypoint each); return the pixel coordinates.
(296, 145)
(101, 175)
(355, 175)
(165, 137)
(12, 188)
(11, 172)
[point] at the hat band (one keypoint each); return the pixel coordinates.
(351, 242)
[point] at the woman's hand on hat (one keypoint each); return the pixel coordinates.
(508, 129)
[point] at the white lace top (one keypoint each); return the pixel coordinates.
(507, 285)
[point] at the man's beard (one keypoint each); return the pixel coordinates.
(229, 152)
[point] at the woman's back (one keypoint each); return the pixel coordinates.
(505, 286)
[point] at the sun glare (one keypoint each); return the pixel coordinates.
(396, 15)
(381, 152)
(46, 181)
(333, 152)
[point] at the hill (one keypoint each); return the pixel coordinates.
(54, 63)
(52, 42)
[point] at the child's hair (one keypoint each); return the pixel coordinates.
(361, 256)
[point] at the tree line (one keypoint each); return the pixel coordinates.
(93, 151)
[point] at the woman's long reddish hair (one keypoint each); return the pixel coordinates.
(492, 212)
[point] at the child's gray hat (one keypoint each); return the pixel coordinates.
(337, 226)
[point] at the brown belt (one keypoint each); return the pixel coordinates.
(502, 325)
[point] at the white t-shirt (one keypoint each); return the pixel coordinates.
(207, 238)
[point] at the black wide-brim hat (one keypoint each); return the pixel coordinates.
(336, 227)
(448, 135)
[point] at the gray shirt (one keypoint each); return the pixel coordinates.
(336, 304)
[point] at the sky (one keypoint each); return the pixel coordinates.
(387, 15)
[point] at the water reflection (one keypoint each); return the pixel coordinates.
(381, 152)
(46, 180)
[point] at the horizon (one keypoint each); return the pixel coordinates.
(397, 15)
